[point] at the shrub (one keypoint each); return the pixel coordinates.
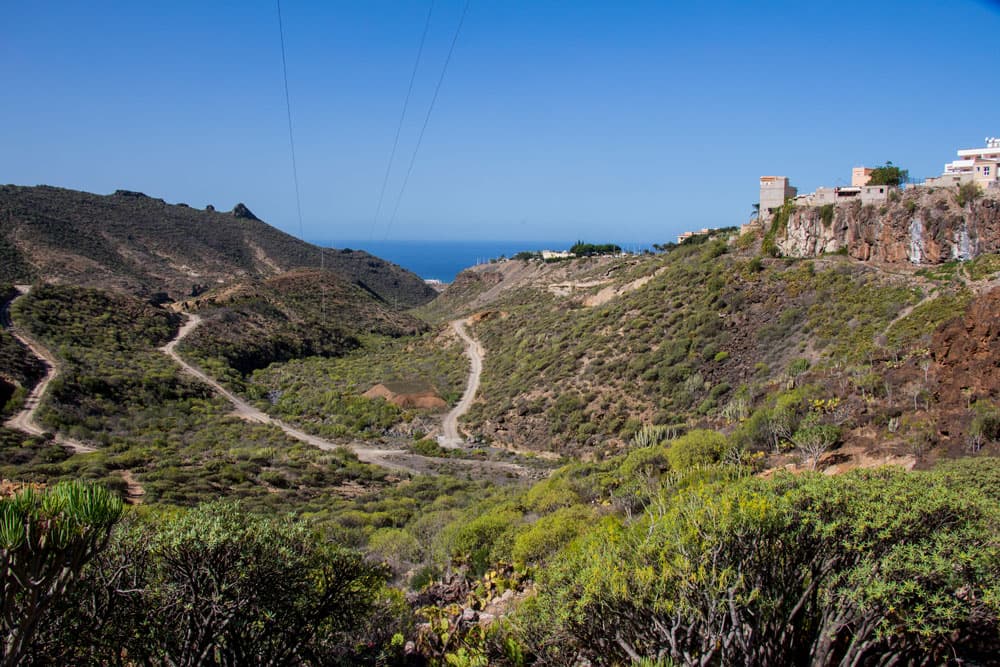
(698, 447)
(804, 569)
(550, 533)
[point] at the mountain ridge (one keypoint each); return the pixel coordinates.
(132, 242)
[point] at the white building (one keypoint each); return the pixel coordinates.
(979, 165)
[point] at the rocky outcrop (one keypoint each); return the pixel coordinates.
(967, 352)
(922, 226)
(242, 211)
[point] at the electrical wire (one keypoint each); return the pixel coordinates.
(295, 170)
(288, 110)
(427, 118)
(402, 117)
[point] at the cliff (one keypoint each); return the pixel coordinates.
(921, 226)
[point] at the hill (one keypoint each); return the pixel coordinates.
(136, 243)
(582, 355)
(252, 324)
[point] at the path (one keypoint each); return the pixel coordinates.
(393, 459)
(450, 437)
(24, 420)
(245, 411)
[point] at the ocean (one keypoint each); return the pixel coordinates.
(443, 260)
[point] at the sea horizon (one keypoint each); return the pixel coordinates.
(443, 260)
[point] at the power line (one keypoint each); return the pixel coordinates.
(291, 144)
(427, 118)
(288, 110)
(402, 116)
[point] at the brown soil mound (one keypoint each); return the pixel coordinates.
(408, 395)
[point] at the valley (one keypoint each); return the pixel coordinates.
(524, 452)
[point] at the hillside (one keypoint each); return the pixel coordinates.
(252, 324)
(582, 355)
(139, 244)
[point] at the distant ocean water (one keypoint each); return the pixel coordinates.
(443, 260)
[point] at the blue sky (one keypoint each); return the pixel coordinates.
(625, 121)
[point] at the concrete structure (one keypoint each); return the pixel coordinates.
(774, 190)
(875, 194)
(556, 254)
(860, 176)
(976, 165)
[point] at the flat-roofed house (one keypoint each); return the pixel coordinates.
(774, 190)
(978, 165)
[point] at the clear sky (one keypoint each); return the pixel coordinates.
(625, 121)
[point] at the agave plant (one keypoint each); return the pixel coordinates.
(46, 537)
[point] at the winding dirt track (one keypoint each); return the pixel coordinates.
(24, 420)
(245, 411)
(474, 350)
(392, 459)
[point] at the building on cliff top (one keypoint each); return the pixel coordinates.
(774, 190)
(974, 165)
(860, 176)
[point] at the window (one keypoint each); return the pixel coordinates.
(986, 171)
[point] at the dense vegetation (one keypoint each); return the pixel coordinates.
(581, 249)
(659, 555)
(298, 314)
(888, 174)
(118, 391)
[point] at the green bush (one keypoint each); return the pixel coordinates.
(811, 569)
(695, 448)
(550, 533)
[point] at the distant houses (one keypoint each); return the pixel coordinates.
(681, 238)
(974, 165)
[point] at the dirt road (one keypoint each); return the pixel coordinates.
(450, 436)
(393, 459)
(24, 420)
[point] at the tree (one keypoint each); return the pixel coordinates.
(888, 174)
(217, 585)
(46, 538)
(813, 438)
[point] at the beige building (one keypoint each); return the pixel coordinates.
(976, 165)
(866, 194)
(860, 176)
(774, 190)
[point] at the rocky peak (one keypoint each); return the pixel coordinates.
(241, 211)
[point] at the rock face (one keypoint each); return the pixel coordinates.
(967, 351)
(241, 211)
(923, 226)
